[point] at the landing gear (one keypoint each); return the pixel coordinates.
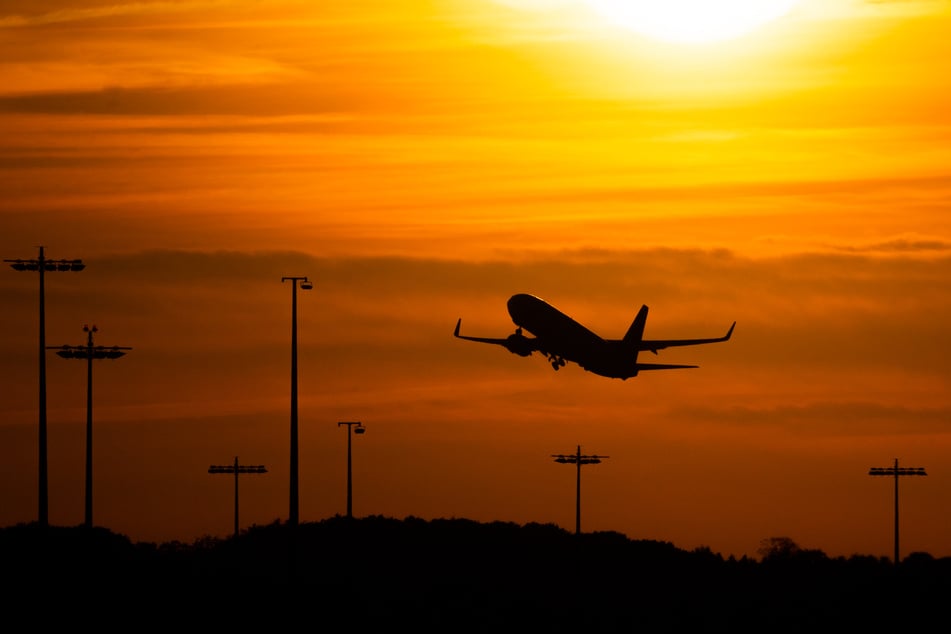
(556, 362)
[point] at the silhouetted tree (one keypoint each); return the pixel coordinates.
(777, 548)
(464, 576)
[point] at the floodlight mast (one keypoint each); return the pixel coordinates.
(89, 352)
(578, 459)
(42, 265)
(897, 471)
(294, 512)
(236, 469)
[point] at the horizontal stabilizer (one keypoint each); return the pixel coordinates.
(663, 366)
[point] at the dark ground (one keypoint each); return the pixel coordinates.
(455, 575)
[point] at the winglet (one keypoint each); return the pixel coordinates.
(456, 331)
(728, 332)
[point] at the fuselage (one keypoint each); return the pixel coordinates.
(560, 336)
(547, 322)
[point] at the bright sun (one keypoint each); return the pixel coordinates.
(691, 21)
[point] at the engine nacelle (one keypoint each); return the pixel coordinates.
(519, 344)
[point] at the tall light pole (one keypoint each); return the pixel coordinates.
(236, 469)
(896, 472)
(89, 352)
(578, 459)
(356, 428)
(42, 265)
(305, 284)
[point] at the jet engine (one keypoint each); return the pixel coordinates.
(519, 344)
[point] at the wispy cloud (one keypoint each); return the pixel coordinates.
(42, 12)
(834, 418)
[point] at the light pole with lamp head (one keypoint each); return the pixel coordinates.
(42, 265)
(356, 428)
(305, 284)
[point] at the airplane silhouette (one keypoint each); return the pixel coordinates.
(560, 338)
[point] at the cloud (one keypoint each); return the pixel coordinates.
(901, 245)
(832, 418)
(16, 13)
(221, 100)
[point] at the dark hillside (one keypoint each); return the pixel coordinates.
(457, 575)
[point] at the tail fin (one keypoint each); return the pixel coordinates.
(635, 334)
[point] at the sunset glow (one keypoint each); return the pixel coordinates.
(421, 162)
(692, 21)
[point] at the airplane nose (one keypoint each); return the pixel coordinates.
(518, 302)
(525, 309)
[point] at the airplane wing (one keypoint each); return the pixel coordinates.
(455, 333)
(659, 344)
(516, 343)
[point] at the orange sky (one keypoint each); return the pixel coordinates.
(423, 160)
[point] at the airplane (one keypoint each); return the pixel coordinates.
(561, 339)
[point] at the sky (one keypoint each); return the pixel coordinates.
(420, 161)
